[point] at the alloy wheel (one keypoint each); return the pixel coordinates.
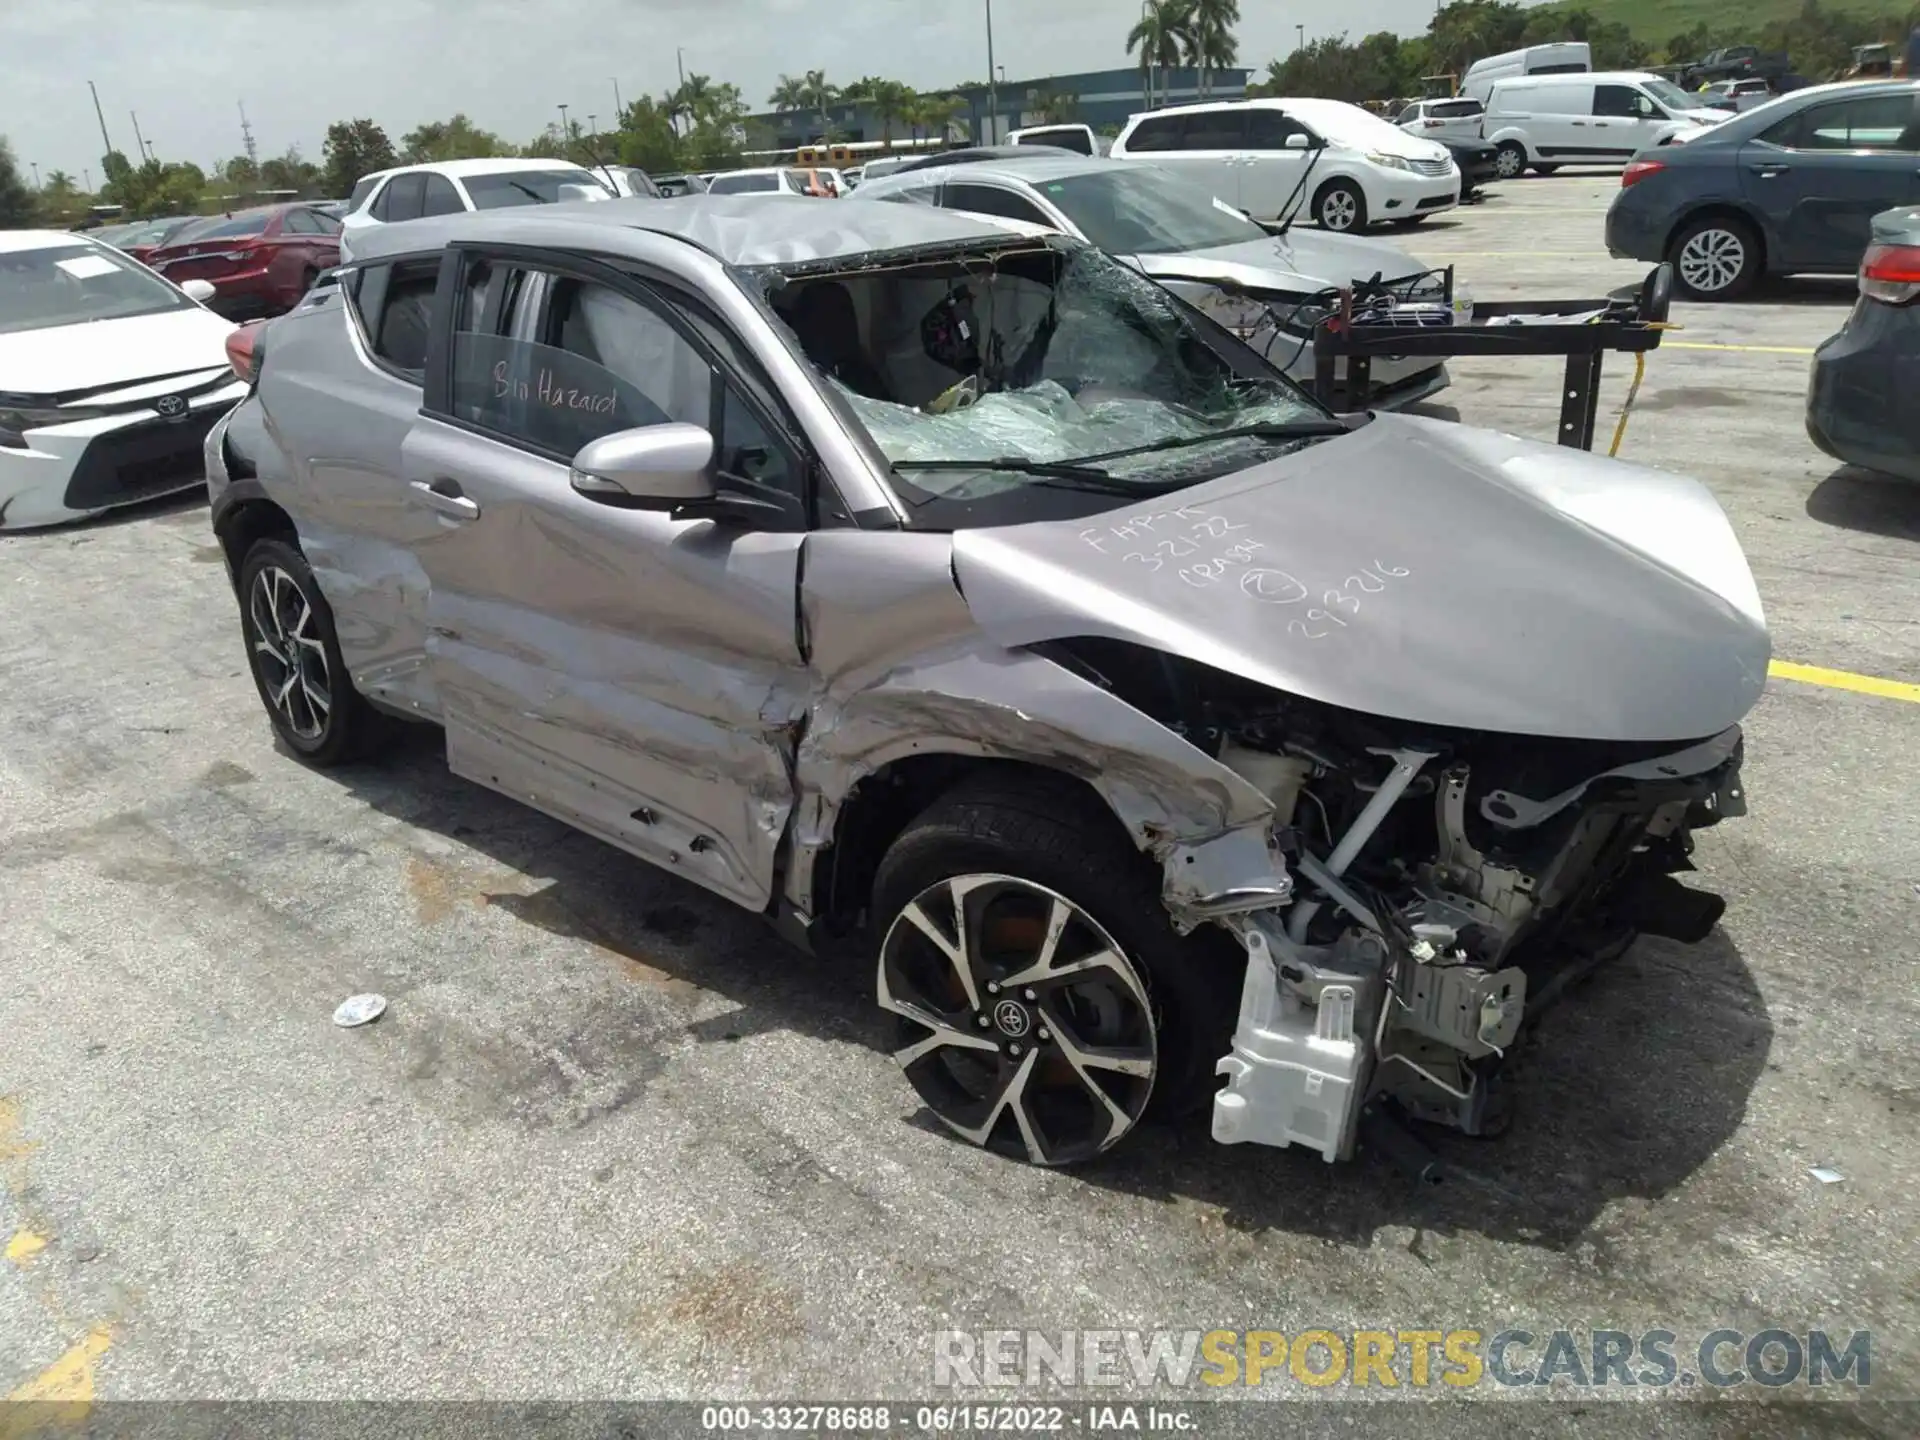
(1339, 210)
(290, 658)
(1020, 1022)
(1711, 260)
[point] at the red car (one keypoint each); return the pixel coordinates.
(259, 262)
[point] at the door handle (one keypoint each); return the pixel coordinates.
(1580, 122)
(444, 496)
(1767, 172)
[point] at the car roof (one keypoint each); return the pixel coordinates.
(12, 241)
(741, 230)
(493, 165)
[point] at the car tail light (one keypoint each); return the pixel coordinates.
(245, 350)
(1891, 274)
(1640, 170)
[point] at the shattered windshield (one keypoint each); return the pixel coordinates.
(994, 383)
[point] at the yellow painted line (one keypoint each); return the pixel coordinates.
(24, 1246)
(1752, 349)
(1845, 680)
(69, 1380)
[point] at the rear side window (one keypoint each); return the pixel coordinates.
(992, 200)
(402, 199)
(1865, 122)
(1162, 132)
(302, 222)
(394, 303)
(440, 198)
(361, 192)
(1069, 137)
(1216, 130)
(1454, 109)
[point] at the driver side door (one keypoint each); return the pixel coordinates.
(635, 674)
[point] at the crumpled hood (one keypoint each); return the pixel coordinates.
(112, 352)
(1417, 570)
(1300, 262)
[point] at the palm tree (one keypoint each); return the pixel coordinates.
(692, 99)
(789, 95)
(892, 102)
(817, 94)
(1159, 35)
(1209, 37)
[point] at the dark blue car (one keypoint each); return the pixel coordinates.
(1861, 396)
(1789, 188)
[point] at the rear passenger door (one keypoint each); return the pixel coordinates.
(342, 394)
(634, 674)
(1820, 176)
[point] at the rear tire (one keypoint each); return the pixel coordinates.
(1340, 206)
(1716, 258)
(294, 654)
(998, 866)
(1510, 160)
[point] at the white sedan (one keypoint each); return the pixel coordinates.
(110, 378)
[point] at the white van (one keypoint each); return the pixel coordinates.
(1604, 118)
(1566, 57)
(1268, 157)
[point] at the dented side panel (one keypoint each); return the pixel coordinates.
(904, 671)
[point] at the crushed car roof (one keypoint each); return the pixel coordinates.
(743, 230)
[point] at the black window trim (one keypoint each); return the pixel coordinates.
(1797, 123)
(642, 284)
(999, 186)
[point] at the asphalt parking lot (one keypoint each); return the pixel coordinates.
(612, 1140)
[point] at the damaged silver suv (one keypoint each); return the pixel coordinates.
(900, 576)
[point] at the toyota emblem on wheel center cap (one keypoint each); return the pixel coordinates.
(1012, 1018)
(172, 407)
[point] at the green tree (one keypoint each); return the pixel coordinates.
(646, 137)
(18, 205)
(892, 103)
(455, 139)
(290, 172)
(353, 148)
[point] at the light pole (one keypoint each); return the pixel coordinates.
(1146, 54)
(993, 88)
(1301, 42)
(36, 177)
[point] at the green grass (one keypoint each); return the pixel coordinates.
(1656, 21)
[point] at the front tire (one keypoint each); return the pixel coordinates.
(294, 654)
(1340, 207)
(1716, 258)
(1510, 160)
(1043, 1003)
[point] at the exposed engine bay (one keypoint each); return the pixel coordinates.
(1447, 885)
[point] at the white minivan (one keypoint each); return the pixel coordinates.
(1565, 57)
(1350, 169)
(1603, 118)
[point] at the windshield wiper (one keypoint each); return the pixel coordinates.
(1297, 430)
(1081, 477)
